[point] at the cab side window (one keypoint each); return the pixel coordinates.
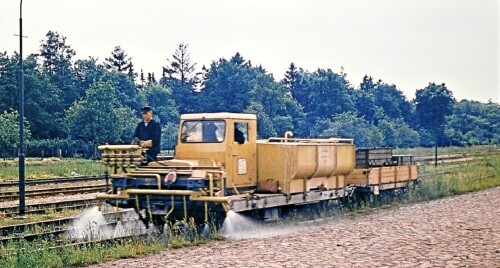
(240, 132)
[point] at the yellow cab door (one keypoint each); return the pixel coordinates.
(242, 135)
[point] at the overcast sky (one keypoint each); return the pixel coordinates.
(408, 43)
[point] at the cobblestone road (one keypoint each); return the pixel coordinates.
(460, 231)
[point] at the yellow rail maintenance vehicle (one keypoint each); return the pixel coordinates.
(220, 166)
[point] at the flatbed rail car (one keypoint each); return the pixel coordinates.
(378, 171)
(220, 166)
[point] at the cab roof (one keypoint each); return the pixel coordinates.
(219, 116)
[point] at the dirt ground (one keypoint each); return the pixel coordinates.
(460, 231)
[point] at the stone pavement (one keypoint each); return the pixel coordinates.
(460, 231)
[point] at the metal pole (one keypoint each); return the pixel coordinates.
(22, 204)
(436, 152)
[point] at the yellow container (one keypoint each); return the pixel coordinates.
(305, 164)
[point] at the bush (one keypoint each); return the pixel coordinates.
(50, 147)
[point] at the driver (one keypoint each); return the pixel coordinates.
(148, 134)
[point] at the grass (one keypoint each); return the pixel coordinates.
(23, 254)
(423, 151)
(476, 175)
(36, 168)
(50, 215)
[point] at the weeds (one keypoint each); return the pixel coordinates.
(479, 174)
(35, 168)
(39, 217)
(421, 151)
(46, 253)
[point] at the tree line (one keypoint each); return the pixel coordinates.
(72, 103)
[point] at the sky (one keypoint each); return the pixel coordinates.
(408, 43)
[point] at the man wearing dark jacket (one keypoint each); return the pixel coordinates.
(148, 134)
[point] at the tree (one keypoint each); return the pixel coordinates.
(55, 53)
(87, 72)
(367, 84)
(271, 100)
(120, 62)
(57, 57)
(40, 93)
(4, 61)
(364, 102)
(323, 94)
(180, 76)
(473, 123)
(433, 104)
(408, 136)
(169, 135)
(292, 80)
(125, 89)
(349, 125)
(390, 132)
(392, 101)
(378, 100)
(43, 107)
(236, 86)
(8, 82)
(99, 117)
(227, 85)
(151, 78)
(9, 132)
(397, 133)
(180, 67)
(142, 80)
(159, 98)
(265, 126)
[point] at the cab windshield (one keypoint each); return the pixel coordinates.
(205, 131)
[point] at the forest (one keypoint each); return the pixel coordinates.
(73, 104)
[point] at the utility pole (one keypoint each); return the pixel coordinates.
(22, 203)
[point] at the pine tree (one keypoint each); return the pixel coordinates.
(180, 67)
(120, 62)
(55, 53)
(292, 79)
(179, 75)
(57, 63)
(142, 79)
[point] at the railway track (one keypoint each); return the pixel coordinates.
(42, 208)
(14, 195)
(62, 234)
(452, 158)
(59, 223)
(58, 234)
(60, 244)
(45, 181)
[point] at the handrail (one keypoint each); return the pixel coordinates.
(299, 140)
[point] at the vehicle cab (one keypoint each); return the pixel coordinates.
(228, 139)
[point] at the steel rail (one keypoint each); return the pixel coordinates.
(41, 208)
(57, 180)
(13, 195)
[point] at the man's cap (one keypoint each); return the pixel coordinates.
(146, 109)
